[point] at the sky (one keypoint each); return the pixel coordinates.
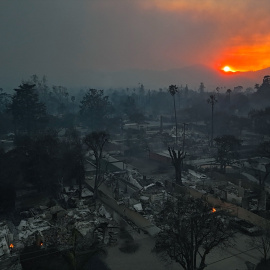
(68, 40)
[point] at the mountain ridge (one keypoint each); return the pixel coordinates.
(191, 75)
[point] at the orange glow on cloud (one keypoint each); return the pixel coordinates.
(245, 58)
(239, 44)
(180, 5)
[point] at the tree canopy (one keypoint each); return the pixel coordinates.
(260, 120)
(29, 114)
(95, 108)
(227, 146)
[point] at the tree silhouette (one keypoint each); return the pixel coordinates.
(212, 101)
(27, 111)
(229, 91)
(260, 120)
(95, 108)
(40, 160)
(95, 141)
(4, 100)
(177, 162)
(227, 146)
(73, 158)
(190, 230)
(201, 88)
(61, 98)
(173, 89)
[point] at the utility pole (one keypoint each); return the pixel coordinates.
(184, 135)
(161, 124)
(173, 89)
(212, 100)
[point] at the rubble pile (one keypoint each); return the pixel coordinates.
(58, 227)
(28, 227)
(6, 238)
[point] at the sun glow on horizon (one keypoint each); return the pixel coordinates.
(228, 69)
(244, 58)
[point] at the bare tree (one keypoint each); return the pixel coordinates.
(189, 231)
(95, 141)
(177, 162)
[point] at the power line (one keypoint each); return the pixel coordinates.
(232, 256)
(58, 251)
(130, 230)
(30, 252)
(43, 255)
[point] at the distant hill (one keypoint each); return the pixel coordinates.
(192, 76)
(151, 79)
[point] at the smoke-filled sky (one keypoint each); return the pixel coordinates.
(67, 39)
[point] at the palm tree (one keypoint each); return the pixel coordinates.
(212, 100)
(173, 89)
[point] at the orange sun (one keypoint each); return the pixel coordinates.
(228, 69)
